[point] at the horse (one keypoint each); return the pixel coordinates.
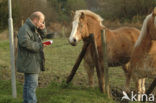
(120, 41)
(143, 60)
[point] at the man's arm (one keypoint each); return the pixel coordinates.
(25, 41)
(42, 32)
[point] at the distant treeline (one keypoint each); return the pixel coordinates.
(60, 10)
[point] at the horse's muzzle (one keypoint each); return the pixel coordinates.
(72, 41)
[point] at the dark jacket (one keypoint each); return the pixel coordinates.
(30, 58)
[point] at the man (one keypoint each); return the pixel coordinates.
(30, 58)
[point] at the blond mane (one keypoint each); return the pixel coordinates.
(143, 32)
(90, 13)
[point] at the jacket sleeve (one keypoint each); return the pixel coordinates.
(25, 41)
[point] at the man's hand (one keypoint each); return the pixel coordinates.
(44, 45)
(42, 26)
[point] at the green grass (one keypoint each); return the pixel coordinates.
(60, 58)
(55, 93)
(5, 92)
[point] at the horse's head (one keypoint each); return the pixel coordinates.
(151, 26)
(79, 28)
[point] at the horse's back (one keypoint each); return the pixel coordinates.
(125, 34)
(127, 31)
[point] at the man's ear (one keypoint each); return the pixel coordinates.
(154, 12)
(82, 15)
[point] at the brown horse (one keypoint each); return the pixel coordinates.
(120, 42)
(143, 60)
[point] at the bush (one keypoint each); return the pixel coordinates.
(3, 14)
(125, 9)
(64, 8)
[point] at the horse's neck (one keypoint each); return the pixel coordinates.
(94, 28)
(93, 25)
(144, 46)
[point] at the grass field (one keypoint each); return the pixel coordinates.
(60, 57)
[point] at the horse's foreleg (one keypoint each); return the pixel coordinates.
(137, 82)
(140, 85)
(139, 89)
(143, 86)
(90, 71)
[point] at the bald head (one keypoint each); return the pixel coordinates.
(37, 19)
(37, 15)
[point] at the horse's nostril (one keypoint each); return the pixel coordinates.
(74, 40)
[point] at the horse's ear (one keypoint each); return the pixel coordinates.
(72, 13)
(154, 12)
(82, 15)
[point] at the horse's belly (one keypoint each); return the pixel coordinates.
(119, 52)
(117, 58)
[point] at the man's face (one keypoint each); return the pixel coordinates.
(40, 23)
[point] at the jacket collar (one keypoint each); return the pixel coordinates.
(30, 24)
